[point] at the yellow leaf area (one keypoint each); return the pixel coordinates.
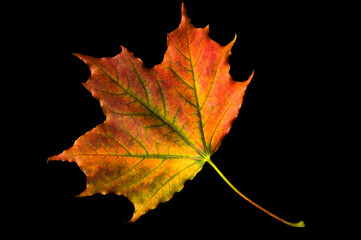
(163, 123)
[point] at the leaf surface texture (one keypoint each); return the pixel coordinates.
(163, 123)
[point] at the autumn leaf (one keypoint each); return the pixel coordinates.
(163, 123)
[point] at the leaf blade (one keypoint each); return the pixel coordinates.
(162, 124)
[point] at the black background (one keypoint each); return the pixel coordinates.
(269, 155)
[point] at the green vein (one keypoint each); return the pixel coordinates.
(185, 99)
(140, 79)
(200, 152)
(135, 139)
(127, 114)
(141, 156)
(161, 94)
(142, 177)
(176, 47)
(169, 179)
(179, 77)
(116, 141)
(138, 179)
(124, 173)
(175, 116)
(107, 92)
(196, 95)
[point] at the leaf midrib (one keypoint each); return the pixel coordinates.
(196, 96)
(200, 152)
(140, 156)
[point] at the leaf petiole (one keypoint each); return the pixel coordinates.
(299, 224)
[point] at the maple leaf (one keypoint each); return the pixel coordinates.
(162, 124)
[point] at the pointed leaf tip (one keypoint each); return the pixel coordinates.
(251, 76)
(184, 11)
(80, 56)
(230, 45)
(185, 17)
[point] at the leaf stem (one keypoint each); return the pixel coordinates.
(299, 224)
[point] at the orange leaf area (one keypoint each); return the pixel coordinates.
(162, 124)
